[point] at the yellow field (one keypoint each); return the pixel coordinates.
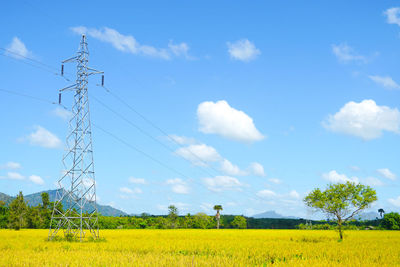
(204, 248)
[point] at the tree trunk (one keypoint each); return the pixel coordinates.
(340, 229)
(218, 216)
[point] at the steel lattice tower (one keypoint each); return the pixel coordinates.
(77, 187)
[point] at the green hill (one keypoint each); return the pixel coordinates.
(36, 199)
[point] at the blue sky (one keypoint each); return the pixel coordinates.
(275, 98)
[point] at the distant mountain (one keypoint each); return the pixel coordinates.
(272, 215)
(36, 199)
(6, 198)
(367, 216)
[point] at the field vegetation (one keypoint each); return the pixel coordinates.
(194, 247)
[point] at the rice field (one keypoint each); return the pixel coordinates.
(204, 248)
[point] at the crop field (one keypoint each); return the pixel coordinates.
(204, 248)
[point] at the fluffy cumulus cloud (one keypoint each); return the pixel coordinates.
(395, 201)
(128, 43)
(366, 120)
(230, 169)
(243, 50)
(36, 179)
(11, 166)
(334, 177)
(222, 119)
(17, 49)
(134, 180)
(44, 138)
(223, 183)
(385, 172)
(200, 154)
(345, 53)
(257, 169)
(385, 81)
(392, 15)
(178, 186)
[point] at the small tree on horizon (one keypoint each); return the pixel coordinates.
(381, 211)
(173, 215)
(342, 201)
(18, 212)
(218, 216)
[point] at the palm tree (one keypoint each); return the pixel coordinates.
(381, 211)
(218, 208)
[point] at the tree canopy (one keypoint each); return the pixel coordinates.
(341, 201)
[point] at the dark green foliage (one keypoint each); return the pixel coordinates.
(391, 221)
(239, 222)
(18, 213)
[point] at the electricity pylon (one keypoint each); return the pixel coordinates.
(75, 210)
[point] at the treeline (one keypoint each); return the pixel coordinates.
(19, 215)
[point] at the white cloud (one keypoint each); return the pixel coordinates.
(384, 81)
(199, 154)
(243, 50)
(36, 179)
(345, 54)
(11, 166)
(44, 138)
(178, 186)
(130, 191)
(257, 169)
(395, 201)
(294, 194)
(230, 169)
(62, 113)
(179, 50)
(13, 176)
(335, 177)
(17, 49)
(366, 120)
(372, 181)
(392, 15)
(128, 43)
(223, 183)
(266, 193)
(385, 172)
(134, 180)
(182, 140)
(275, 180)
(220, 118)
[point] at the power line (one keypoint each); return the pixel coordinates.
(31, 97)
(146, 133)
(41, 65)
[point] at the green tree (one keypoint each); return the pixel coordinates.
(18, 212)
(341, 201)
(202, 221)
(391, 221)
(45, 200)
(381, 211)
(218, 216)
(173, 215)
(239, 222)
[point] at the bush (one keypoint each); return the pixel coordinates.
(391, 221)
